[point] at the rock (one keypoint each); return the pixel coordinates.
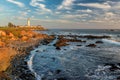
(95, 37)
(23, 33)
(58, 48)
(99, 42)
(10, 35)
(53, 59)
(113, 66)
(24, 38)
(13, 38)
(61, 79)
(61, 43)
(118, 78)
(3, 33)
(91, 45)
(65, 49)
(37, 51)
(57, 71)
(78, 45)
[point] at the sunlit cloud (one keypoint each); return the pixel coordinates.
(66, 4)
(96, 5)
(36, 3)
(20, 4)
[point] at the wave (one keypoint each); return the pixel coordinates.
(30, 65)
(111, 41)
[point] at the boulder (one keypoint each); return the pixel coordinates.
(58, 48)
(91, 45)
(3, 33)
(10, 35)
(99, 42)
(24, 38)
(23, 32)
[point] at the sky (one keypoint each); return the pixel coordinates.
(68, 14)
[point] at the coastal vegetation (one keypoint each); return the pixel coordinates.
(14, 42)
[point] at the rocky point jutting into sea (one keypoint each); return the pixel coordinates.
(15, 45)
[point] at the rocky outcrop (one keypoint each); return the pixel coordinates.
(62, 41)
(91, 45)
(85, 36)
(99, 42)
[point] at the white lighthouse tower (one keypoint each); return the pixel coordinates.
(28, 22)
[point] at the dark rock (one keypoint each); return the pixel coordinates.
(95, 37)
(61, 79)
(91, 45)
(58, 48)
(99, 42)
(53, 59)
(78, 45)
(65, 49)
(118, 78)
(57, 71)
(113, 66)
(37, 51)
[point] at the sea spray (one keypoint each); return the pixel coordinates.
(111, 41)
(30, 65)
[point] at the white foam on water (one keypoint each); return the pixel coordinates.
(101, 73)
(111, 41)
(30, 66)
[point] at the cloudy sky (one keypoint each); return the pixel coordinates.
(62, 13)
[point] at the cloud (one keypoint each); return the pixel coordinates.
(53, 20)
(70, 16)
(20, 4)
(96, 5)
(36, 3)
(66, 4)
(85, 11)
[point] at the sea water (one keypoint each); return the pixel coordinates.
(74, 62)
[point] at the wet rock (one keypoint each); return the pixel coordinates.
(78, 45)
(58, 48)
(95, 37)
(37, 51)
(60, 43)
(118, 78)
(61, 79)
(65, 49)
(57, 71)
(53, 59)
(113, 67)
(99, 42)
(91, 45)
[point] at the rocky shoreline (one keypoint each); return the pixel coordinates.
(18, 70)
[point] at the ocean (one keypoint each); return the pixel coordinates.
(76, 61)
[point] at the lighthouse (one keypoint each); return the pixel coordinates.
(28, 22)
